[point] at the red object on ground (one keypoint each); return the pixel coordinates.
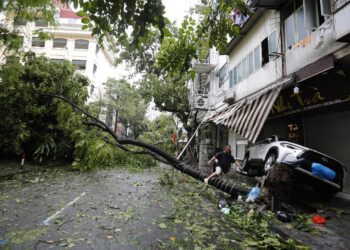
(173, 138)
(318, 219)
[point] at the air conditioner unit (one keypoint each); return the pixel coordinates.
(229, 95)
(201, 102)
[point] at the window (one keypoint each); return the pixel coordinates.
(57, 60)
(92, 89)
(81, 44)
(250, 63)
(97, 49)
(59, 43)
(20, 40)
(222, 75)
(257, 58)
(298, 17)
(272, 43)
(37, 42)
(233, 77)
(289, 31)
(79, 64)
(244, 68)
(264, 51)
(20, 21)
(239, 72)
(300, 26)
(40, 22)
(94, 69)
(12, 59)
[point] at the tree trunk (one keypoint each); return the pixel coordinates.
(157, 153)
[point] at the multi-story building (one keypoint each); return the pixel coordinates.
(287, 73)
(70, 42)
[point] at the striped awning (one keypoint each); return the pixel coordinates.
(247, 117)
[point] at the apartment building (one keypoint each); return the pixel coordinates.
(70, 42)
(287, 73)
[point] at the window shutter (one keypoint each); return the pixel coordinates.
(325, 7)
(310, 14)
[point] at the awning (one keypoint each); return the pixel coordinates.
(247, 117)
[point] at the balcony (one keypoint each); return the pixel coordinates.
(268, 4)
(317, 45)
(207, 64)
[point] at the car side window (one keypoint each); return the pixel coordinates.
(268, 140)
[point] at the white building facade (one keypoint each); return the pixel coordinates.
(70, 42)
(287, 73)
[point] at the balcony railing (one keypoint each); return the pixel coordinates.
(206, 64)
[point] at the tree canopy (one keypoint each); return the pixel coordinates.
(130, 108)
(32, 122)
(165, 63)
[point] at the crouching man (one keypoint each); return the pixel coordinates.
(223, 161)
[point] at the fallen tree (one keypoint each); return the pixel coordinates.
(149, 149)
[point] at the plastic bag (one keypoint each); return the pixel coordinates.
(322, 171)
(253, 194)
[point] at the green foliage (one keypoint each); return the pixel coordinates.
(126, 100)
(159, 132)
(17, 13)
(36, 123)
(303, 223)
(202, 226)
(167, 179)
(91, 152)
(217, 24)
(116, 17)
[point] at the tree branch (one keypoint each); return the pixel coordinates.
(154, 151)
(154, 155)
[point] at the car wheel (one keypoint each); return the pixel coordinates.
(269, 161)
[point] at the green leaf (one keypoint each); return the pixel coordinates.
(81, 13)
(162, 226)
(167, 32)
(85, 20)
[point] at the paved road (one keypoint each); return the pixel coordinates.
(52, 208)
(97, 210)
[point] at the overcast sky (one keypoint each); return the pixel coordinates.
(177, 9)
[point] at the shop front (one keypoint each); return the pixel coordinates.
(315, 113)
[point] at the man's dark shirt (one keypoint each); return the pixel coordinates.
(224, 161)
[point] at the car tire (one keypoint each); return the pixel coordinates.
(270, 159)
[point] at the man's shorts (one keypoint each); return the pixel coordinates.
(218, 170)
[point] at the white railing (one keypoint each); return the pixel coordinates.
(211, 58)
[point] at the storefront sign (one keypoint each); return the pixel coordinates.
(322, 91)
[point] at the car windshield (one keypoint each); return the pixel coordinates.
(280, 138)
(273, 138)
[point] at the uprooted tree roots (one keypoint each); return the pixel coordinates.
(277, 186)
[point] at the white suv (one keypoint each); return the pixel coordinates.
(261, 157)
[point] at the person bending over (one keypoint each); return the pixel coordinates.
(223, 161)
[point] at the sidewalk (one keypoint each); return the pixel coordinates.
(334, 234)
